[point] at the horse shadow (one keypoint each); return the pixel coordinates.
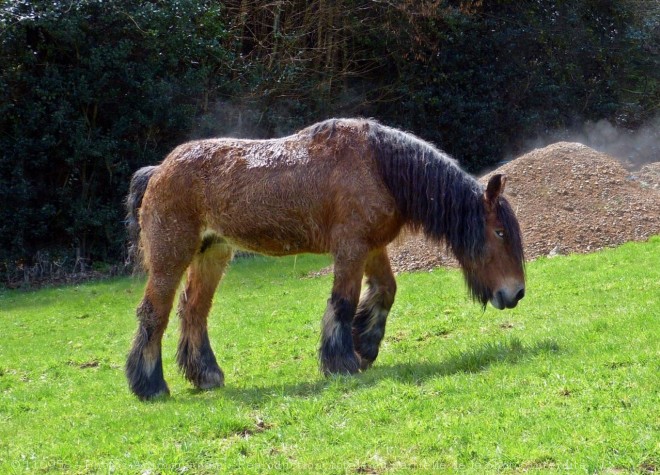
(474, 360)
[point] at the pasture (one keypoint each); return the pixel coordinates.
(567, 382)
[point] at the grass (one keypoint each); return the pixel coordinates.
(565, 383)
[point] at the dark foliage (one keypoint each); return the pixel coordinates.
(90, 92)
(482, 80)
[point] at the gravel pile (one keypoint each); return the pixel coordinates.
(649, 176)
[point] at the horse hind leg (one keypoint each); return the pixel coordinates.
(144, 366)
(166, 261)
(373, 308)
(194, 354)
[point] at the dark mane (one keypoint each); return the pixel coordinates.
(431, 191)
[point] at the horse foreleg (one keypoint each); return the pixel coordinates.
(336, 353)
(194, 354)
(374, 307)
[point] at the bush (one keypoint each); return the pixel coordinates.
(91, 91)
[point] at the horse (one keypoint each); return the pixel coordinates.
(344, 187)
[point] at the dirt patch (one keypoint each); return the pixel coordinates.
(568, 198)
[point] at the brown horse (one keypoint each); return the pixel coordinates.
(344, 187)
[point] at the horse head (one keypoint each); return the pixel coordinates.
(498, 274)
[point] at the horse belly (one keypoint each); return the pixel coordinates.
(276, 234)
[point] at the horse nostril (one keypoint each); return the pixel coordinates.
(520, 294)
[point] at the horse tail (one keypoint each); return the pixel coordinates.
(136, 190)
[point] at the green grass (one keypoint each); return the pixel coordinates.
(568, 382)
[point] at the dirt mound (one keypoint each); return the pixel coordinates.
(568, 198)
(649, 176)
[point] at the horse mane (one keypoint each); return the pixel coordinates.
(431, 191)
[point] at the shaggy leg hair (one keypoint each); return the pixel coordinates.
(197, 362)
(373, 309)
(369, 325)
(336, 353)
(144, 367)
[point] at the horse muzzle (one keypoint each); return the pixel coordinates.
(504, 298)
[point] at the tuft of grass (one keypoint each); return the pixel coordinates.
(567, 382)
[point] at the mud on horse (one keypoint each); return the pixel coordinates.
(343, 186)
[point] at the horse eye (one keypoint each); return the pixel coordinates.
(499, 233)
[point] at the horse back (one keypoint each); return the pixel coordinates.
(309, 192)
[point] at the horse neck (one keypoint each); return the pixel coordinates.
(433, 194)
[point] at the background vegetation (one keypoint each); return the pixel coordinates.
(91, 90)
(567, 382)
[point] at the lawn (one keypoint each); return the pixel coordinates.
(567, 382)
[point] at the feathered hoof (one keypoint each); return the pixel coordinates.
(341, 365)
(147, 389)
(145, 375)
(367, 354)
(365, 364)
(210, 380)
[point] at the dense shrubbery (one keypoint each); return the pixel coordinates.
(92, 90)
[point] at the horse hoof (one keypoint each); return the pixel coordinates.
(161, 393)
(345, 366)
(210, 380)
(146, 387)
(365, 364)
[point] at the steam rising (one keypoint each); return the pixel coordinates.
(633, 148)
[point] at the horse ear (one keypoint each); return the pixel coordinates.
(495, 188)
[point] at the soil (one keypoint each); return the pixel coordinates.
(568, 198)
(649, 176)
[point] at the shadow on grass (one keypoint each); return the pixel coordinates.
(472, 361)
